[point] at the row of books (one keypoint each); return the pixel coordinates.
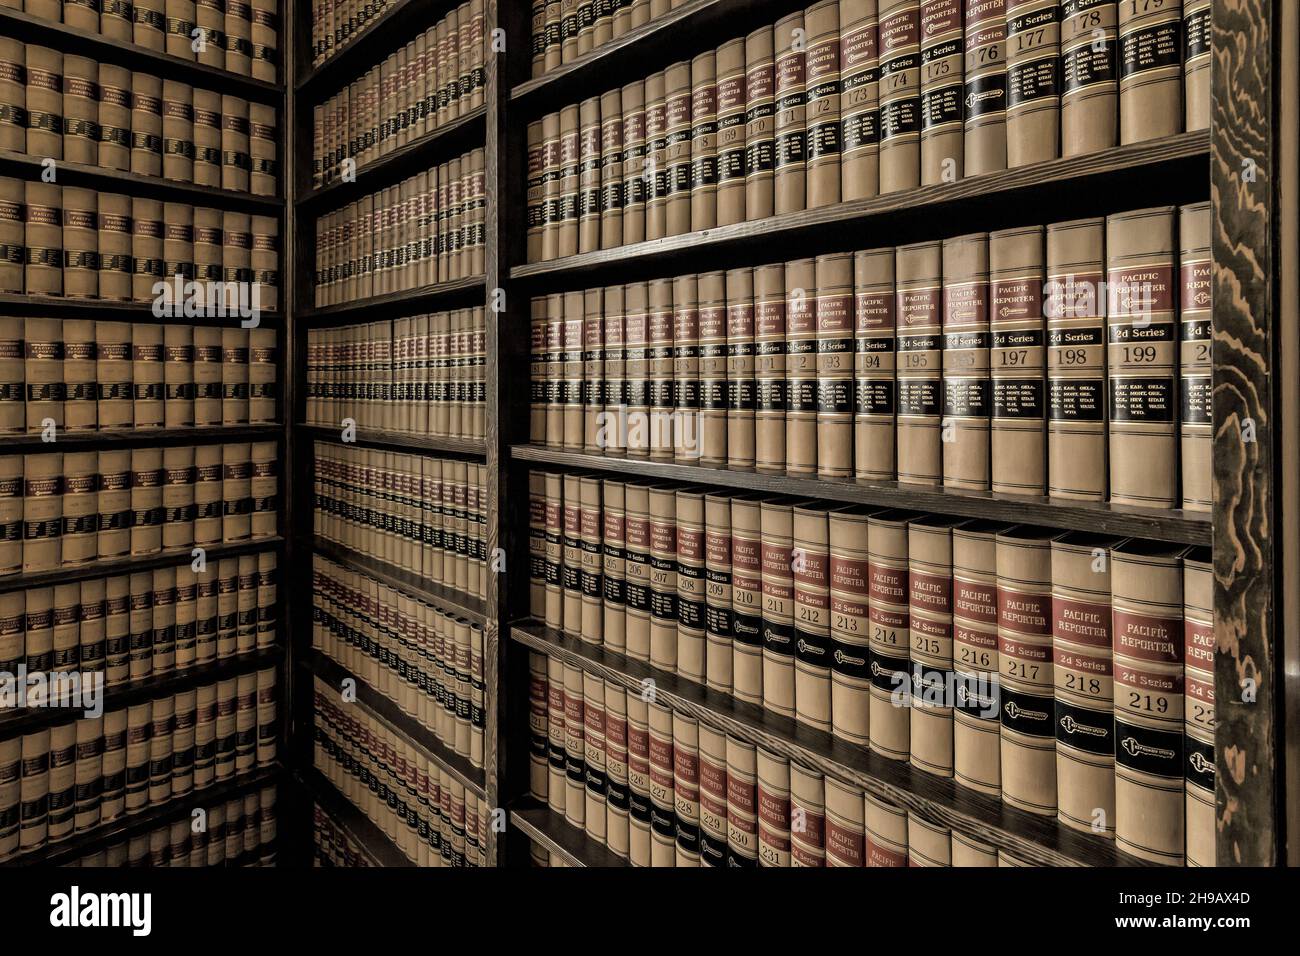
(429, 228)
(334, 25)
(76, 109)
(239, 832)
(240, 36)
(426, 660)
(660, 787)
(432, 818)
(417, 513)
(563, 30)
(79, 375)
(60, 509)
(78, 775)
(1071, 360)
(332, 845)
(67, 241)
(1069, 674)
(422, 375)
(837, 104)
(135, 626)
(430, 82)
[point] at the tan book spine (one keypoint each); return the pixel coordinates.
(46, 390)
(44, 102)
(662, 526)
(80, 243)
(874, 364)
(43, 217)
(261, 376)
(942, 92)
(537, 32)
(807, 817)
(704, 142)
(677, 149)
(1142, 357)
(770, 367)
(638, 776)
(571, 550)
(890, 691)
(886, 826)
(13, 95)
(114, 117)
(612, 433)
(1018, 453)
(822, 141)
(985, 107)
(663, 797)
(718, 595)
(11, 518)
(1090, 77)
(686, 414)
(691, 585)
(656, 163)
(207, 138)
(928, 844)
(42, 512)
(1151, 47)
(742, 804)
(966, 851)
(207, 495)
(845, 830)
(919, 270)
(611, 169)
(238, 37)
(686, 789)
(730, 60)
(636, 344)
(1033, 81)
(80, 541)
(812, 613)
(849, 625)
(555, 381)
(747, 599)
(593, 375)
(552, 214)
(207, 377)
(712, 771)
(80, 109)
(589, 175)
(900, 95)
(594, 760)
(589, 572)
(13, 238)
(1198, 691)
(613, 541)
(1084, 685)
(1150, 746)
(537, 379)
(586, 25)
(773, 774)
(638, 572)
(1196, 329)
(760, 124)
(263, 162)
(536, 191)
(117, 630)
(573, 370)
(659, 372)
(236, 495)
(114, 503)
(931, 618)
(976, 729)
(556, 790)
(178, 131)
(264, 39)
(570, 164)
(178, 497)
(1196, 64)
(741, 395)
(790, 120)
(236, 159)
(835, 318)
(146, 246)
(147, 375)
(234, 380)
(617, 789)
(967, 389)
(777, 536)
(637, 178)
(859, 99)
(537, 562)
(712, 389)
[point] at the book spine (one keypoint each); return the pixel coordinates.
(849, 626)
(554, 613)
(1150, 746)
(572, 354)
(890, 623)
(663, 578)
(741, 396)
(637, 176)
(638, 775)
(747, 599)
(790, 117)
(535, 197)
(822, 85)
(1196, 329)
(927, 843)
(773, 773)
(886, 826)
(1151, 46)
(1142, 357)
(552, 203)
(942, 92)
(617, 791)
(1081, 662)
(611, 434)
(593, 363)
(1198, 691)
(637, 572)
(589, 175)
(685, 383)
(931, 618)
(807, 818)
(686, 789)
(690, 585)
(919, 355)
(812, 614)
(845, 831)
(742, 804)
(556, 789)
(1018, 453)
(571, 577)
(801, 366)
(575, 766)
(967, 389)
(1075, 307)
(770, 367)
(537, 371)
(570, 162)
(900, 95)
(594, 756)
(1033, 81)
(718, 596)
(1089, 77)
(711, 431)
(611, 169)
(677, 149)
(1196, 64)
(613, 542)
(589, 576)
(976, 745)
(760, 124)
(874, 364)
(730, 62)
(704, 142)
(663, 813)
(712, 772)
(1025, 656)
(985, 141)
(776, 526)
(661, 388)
(859, 100)
(835, 329)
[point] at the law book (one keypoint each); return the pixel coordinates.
(80, 507)
(1074, 303)
(1198, 691)
(656, 161)
(850, 628)
(930, 613)
(976, 729)
(13, 95)
(663, 809)
(637, 570)
(575, 769)
(555, 737)
(660, 361)
(617, 791)
(687, 796)
(43, 218)
(813, 646)
(966, 851)
(147, 245)
(1083, 679)
(554, 524)
(551, 213)
(967, 388)
(691, 584)
(569, 173)
(1142, 357)
(873, 363)
(760, 124)
(207, 138)
(900, 94)
(611, 169)
(919, 317)
(747, 598)
(886, 827)
(1195, 334)
(573, 369)
(835, 318)
(1089, 76)
(741, 349)
(942, 91)
(662, 528)
(178, 497)
(42, 514)
(537, 369)
(1017, 449)
(44, 102)
(146, 124)
(13, 237)
(1033, 81)
(730, 135)
(589, 175)
(677, 138)
(778, 627)
(773, 805)
(593, 694)
(790, 126)
(555, 370)
(890, 636)
(770, 367)
(589, 573)
(571, 546)
(801, 365)
(1197, 39)
(985, 77)
(710, 427)
(612, 541)
(638, 778)
(1151, 47)
(686, 412)
(859, 99)
(704, 147)
(593, 363)
(637, 178)
(1150, 747)
(536, 191)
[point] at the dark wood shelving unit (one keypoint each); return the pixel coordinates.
(129, 825)
(59, 36)
(376, 39)
(429, 298)
(1034, 839)
(109, 439)
(557, 835)
(419, 736)
(397, 441)
(372, 840)
(1179, 527)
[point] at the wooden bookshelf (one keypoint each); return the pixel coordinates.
(397, 441)
(372, 840)
(553, 832)
(429, 298)
(110, 438)
(60, 307)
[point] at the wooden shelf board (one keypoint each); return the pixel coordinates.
(442, 295)
(399, 441)
(1034, 839)
(109, 439)
(558, 836)
(61, 307)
